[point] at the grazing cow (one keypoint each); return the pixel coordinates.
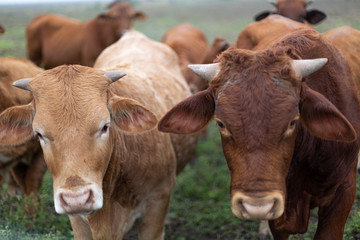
(295, 10)
(53, 40)
(191, 46)
(262, 33)
(108, 164)
(21, 165)
(289, 122)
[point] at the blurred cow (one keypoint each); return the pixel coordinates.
(191, 46)
(109, 165)
(53, 40)
(295, 10)
(2, 29)
(21, 164)
(289, 122)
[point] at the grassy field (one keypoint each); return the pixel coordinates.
(200, 207)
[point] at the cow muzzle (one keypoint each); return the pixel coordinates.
(266, 206)
(81, 201)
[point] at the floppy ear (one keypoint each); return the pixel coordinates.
(138, 15)
(130, 116)
(262, 15)
(315, 16)
(16, 124)
(322, 118)
(189, 116)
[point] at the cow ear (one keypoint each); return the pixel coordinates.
(16, 124)
(138, 15)
(189, 116)
(130, 116)
(315, 16)
(262, 15)
(322, 118)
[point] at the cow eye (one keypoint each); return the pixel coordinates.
(104, 129)
(220, 124)
(293, 123)
(39, 135)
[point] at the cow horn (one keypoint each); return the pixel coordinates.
(114, 75)
(23, 83)
(205, 71)
(272, 2)
(304, 68)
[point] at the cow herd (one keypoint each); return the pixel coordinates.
(115, 117)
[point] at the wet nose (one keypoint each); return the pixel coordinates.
(268, 205)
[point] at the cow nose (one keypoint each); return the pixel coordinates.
(267, 206)
(77, 202)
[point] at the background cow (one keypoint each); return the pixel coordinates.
(191, 46)
(53, 40)
(21, 165)
(295, 10)
(289, 130)
(2, 29)
(90, 128)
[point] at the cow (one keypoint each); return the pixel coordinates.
(288, 117)
(190, 44)
(295, 10)
(260, 34)
(347, 40)
(53, 40)
(2, 29)
(108, 162)
(21, 165)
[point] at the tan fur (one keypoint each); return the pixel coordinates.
(24, 161)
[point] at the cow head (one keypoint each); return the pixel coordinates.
(259, 103)
(295, 10)
(121, 16)
(76, 117)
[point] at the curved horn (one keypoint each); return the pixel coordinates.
(23, 83)
(114, 75)
(205, 71)
(304, 68)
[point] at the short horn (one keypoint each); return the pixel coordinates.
(273, 2)
(205, 71)
(114, 75)
(304, 68)
(23, 83)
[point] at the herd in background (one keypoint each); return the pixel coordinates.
(116, 175)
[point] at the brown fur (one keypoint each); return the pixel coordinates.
(191, 46)
(25, 161)
(310, 161)
(53, 40)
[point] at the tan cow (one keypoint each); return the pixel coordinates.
(191, 46)
(108, 164)
(53, 40)
(295, 10)
(21, 165)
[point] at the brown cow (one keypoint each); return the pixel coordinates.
(289, 128)
(2, 29)
(22, 165)
(191, 46)
(108, 166)
(53, 40)
(295, 10)
(347, 40)
(262, 33)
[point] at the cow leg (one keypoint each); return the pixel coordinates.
(81, 228)
(332, 218)
(264, 230)
(153, 220)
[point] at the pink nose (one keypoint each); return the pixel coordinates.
(262, 206)
(77, 202)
